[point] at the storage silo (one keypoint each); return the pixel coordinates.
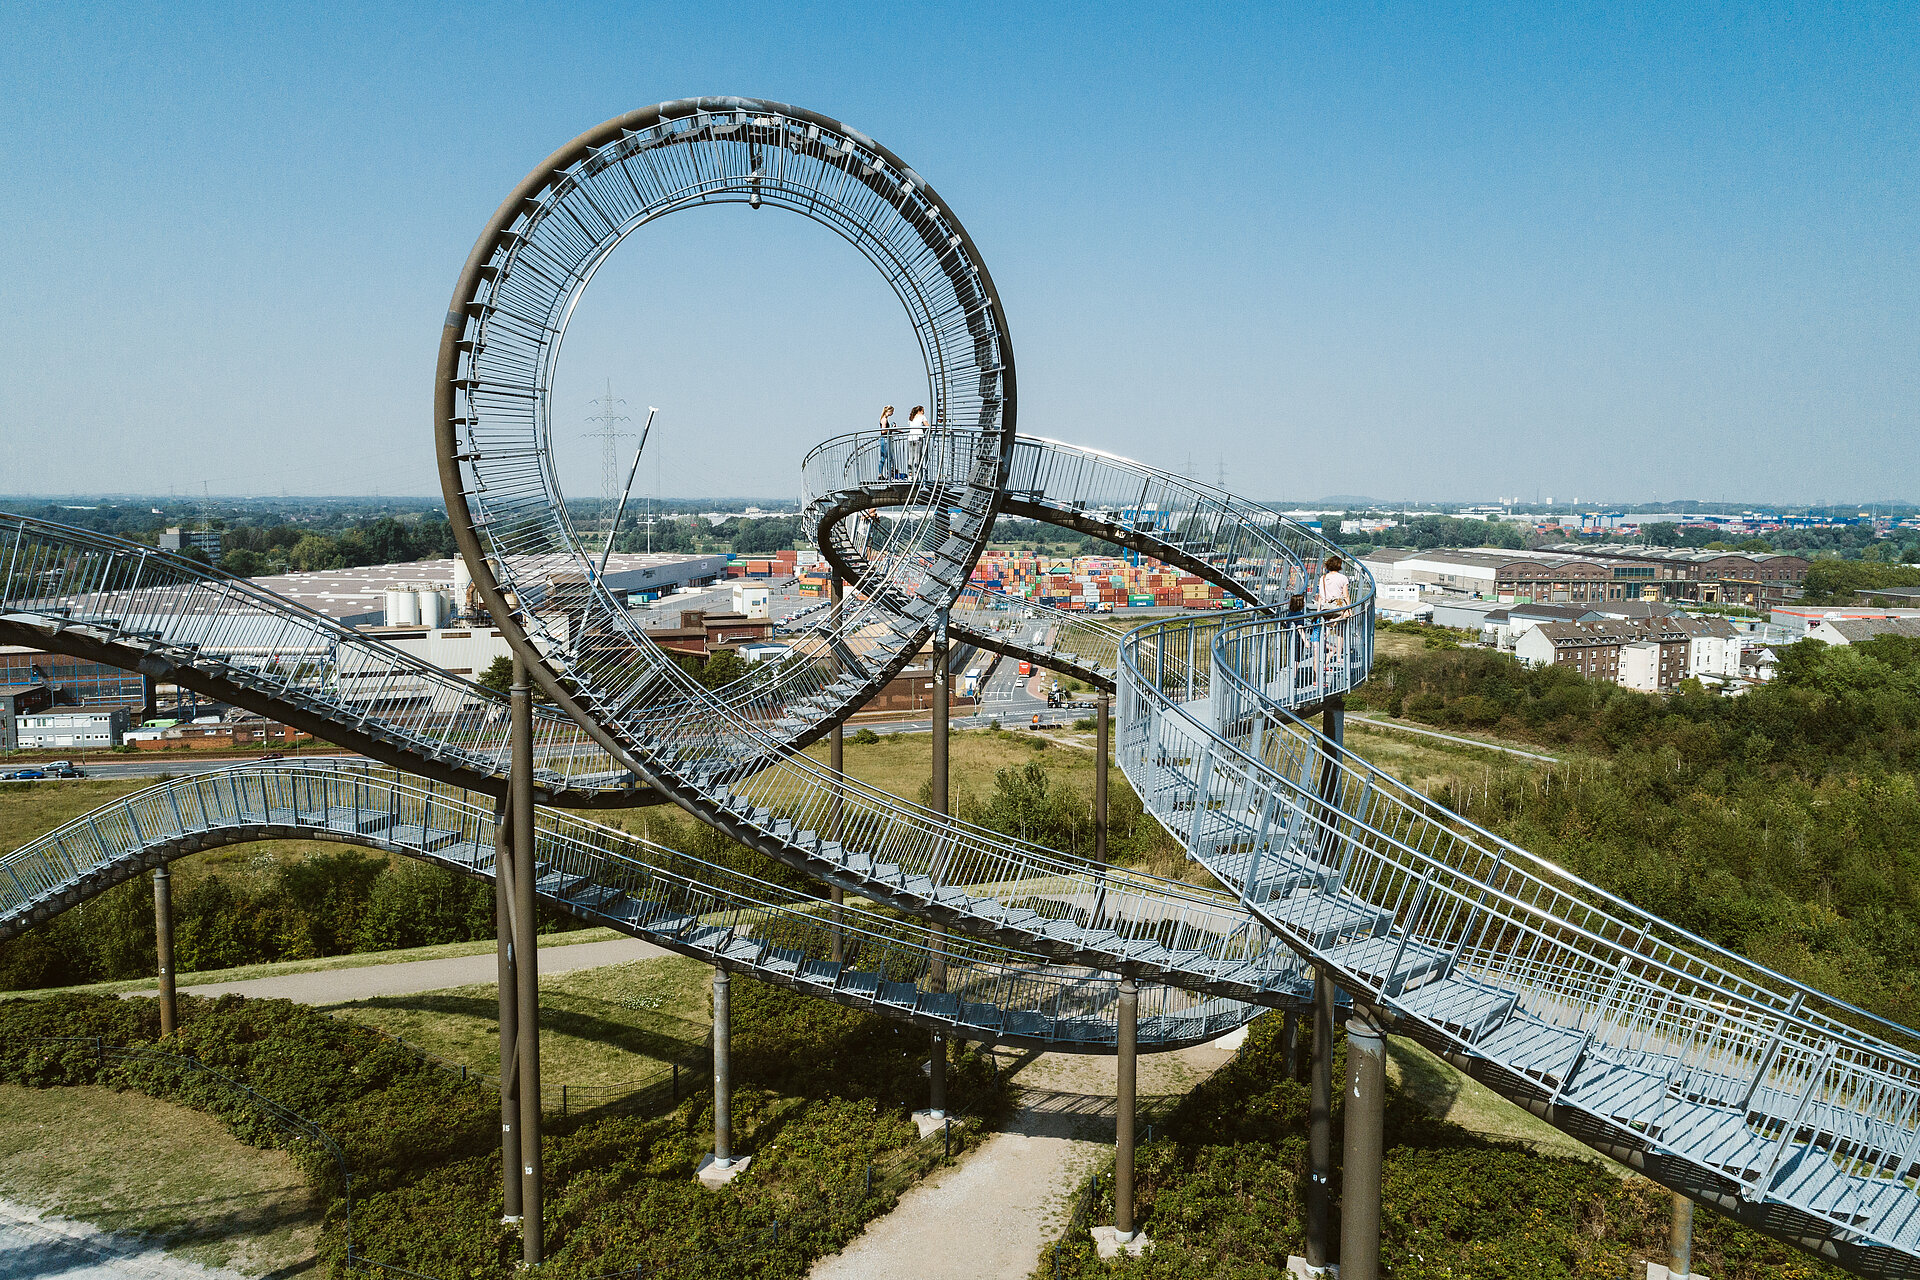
(403, 608)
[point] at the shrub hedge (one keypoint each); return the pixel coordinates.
(1222, 1193)
(821, 1094)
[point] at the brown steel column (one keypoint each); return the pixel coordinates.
(163, 947)
(1127, 1061)
(526, 962)
(1320, 1125)
(1360, 1171)
(837, 759)
(509, 993)
(1102, 741)
(1680, 1247)
(722, 1070)
(937, 970)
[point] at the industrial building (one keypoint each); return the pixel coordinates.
(69, 728)
(205, 541)
(1574, 575)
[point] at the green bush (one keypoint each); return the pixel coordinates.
(821, 1094)
(1222, 1192)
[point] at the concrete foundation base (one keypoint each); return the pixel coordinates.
(1107, 1243)
(708, 1174)
(1297, 1266)
(928, 1123)
(1658, 1271)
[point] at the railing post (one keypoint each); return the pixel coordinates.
(1364, 1147)
(526, 960)
(163, 946)
(509, 998)
(1320, 1124)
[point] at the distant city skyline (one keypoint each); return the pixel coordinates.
(1450, 258)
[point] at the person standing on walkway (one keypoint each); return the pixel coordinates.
(917, 440)
(1336, 596)
(886, 443)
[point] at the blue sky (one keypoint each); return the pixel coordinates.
(1414, 252)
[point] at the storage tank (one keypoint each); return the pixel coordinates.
(429, 607)
(464, 597)
(403, 608)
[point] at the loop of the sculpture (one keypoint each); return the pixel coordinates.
(541, 248)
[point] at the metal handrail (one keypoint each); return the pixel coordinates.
(610, 869)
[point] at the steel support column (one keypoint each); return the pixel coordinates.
(1363, 1149)
(509, 995)
(722, 1071)
(1290, 1038)
(526, 960)
(1320, 1125)
(1127, 1064)
(1102, 746)
(163, 947)
(1680, 1247)
(837, 760)
(937, 966)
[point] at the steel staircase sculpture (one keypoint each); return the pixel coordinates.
(74, 591)
(601, 875)
(1719, 1079)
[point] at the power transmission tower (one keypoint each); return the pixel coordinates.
(609, 435)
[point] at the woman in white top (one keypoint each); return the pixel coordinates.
(1336, 594)
(917, 439)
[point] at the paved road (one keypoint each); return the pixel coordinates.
(333, 986)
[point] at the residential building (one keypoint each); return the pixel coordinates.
(67, 727)
(1654, 654)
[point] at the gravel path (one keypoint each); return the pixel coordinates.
(333, 986)
(33, 1247)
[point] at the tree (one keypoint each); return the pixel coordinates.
(498, 676)
(315, 551)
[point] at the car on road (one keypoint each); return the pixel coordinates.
(61, 770)
(274, 755)
(24, 775)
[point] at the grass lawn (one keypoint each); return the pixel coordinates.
(593, 1022)
(1427, 764)
(1451, 1096)
(29, 810)
(129, 1163)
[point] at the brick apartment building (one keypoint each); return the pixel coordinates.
(1653, 654)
